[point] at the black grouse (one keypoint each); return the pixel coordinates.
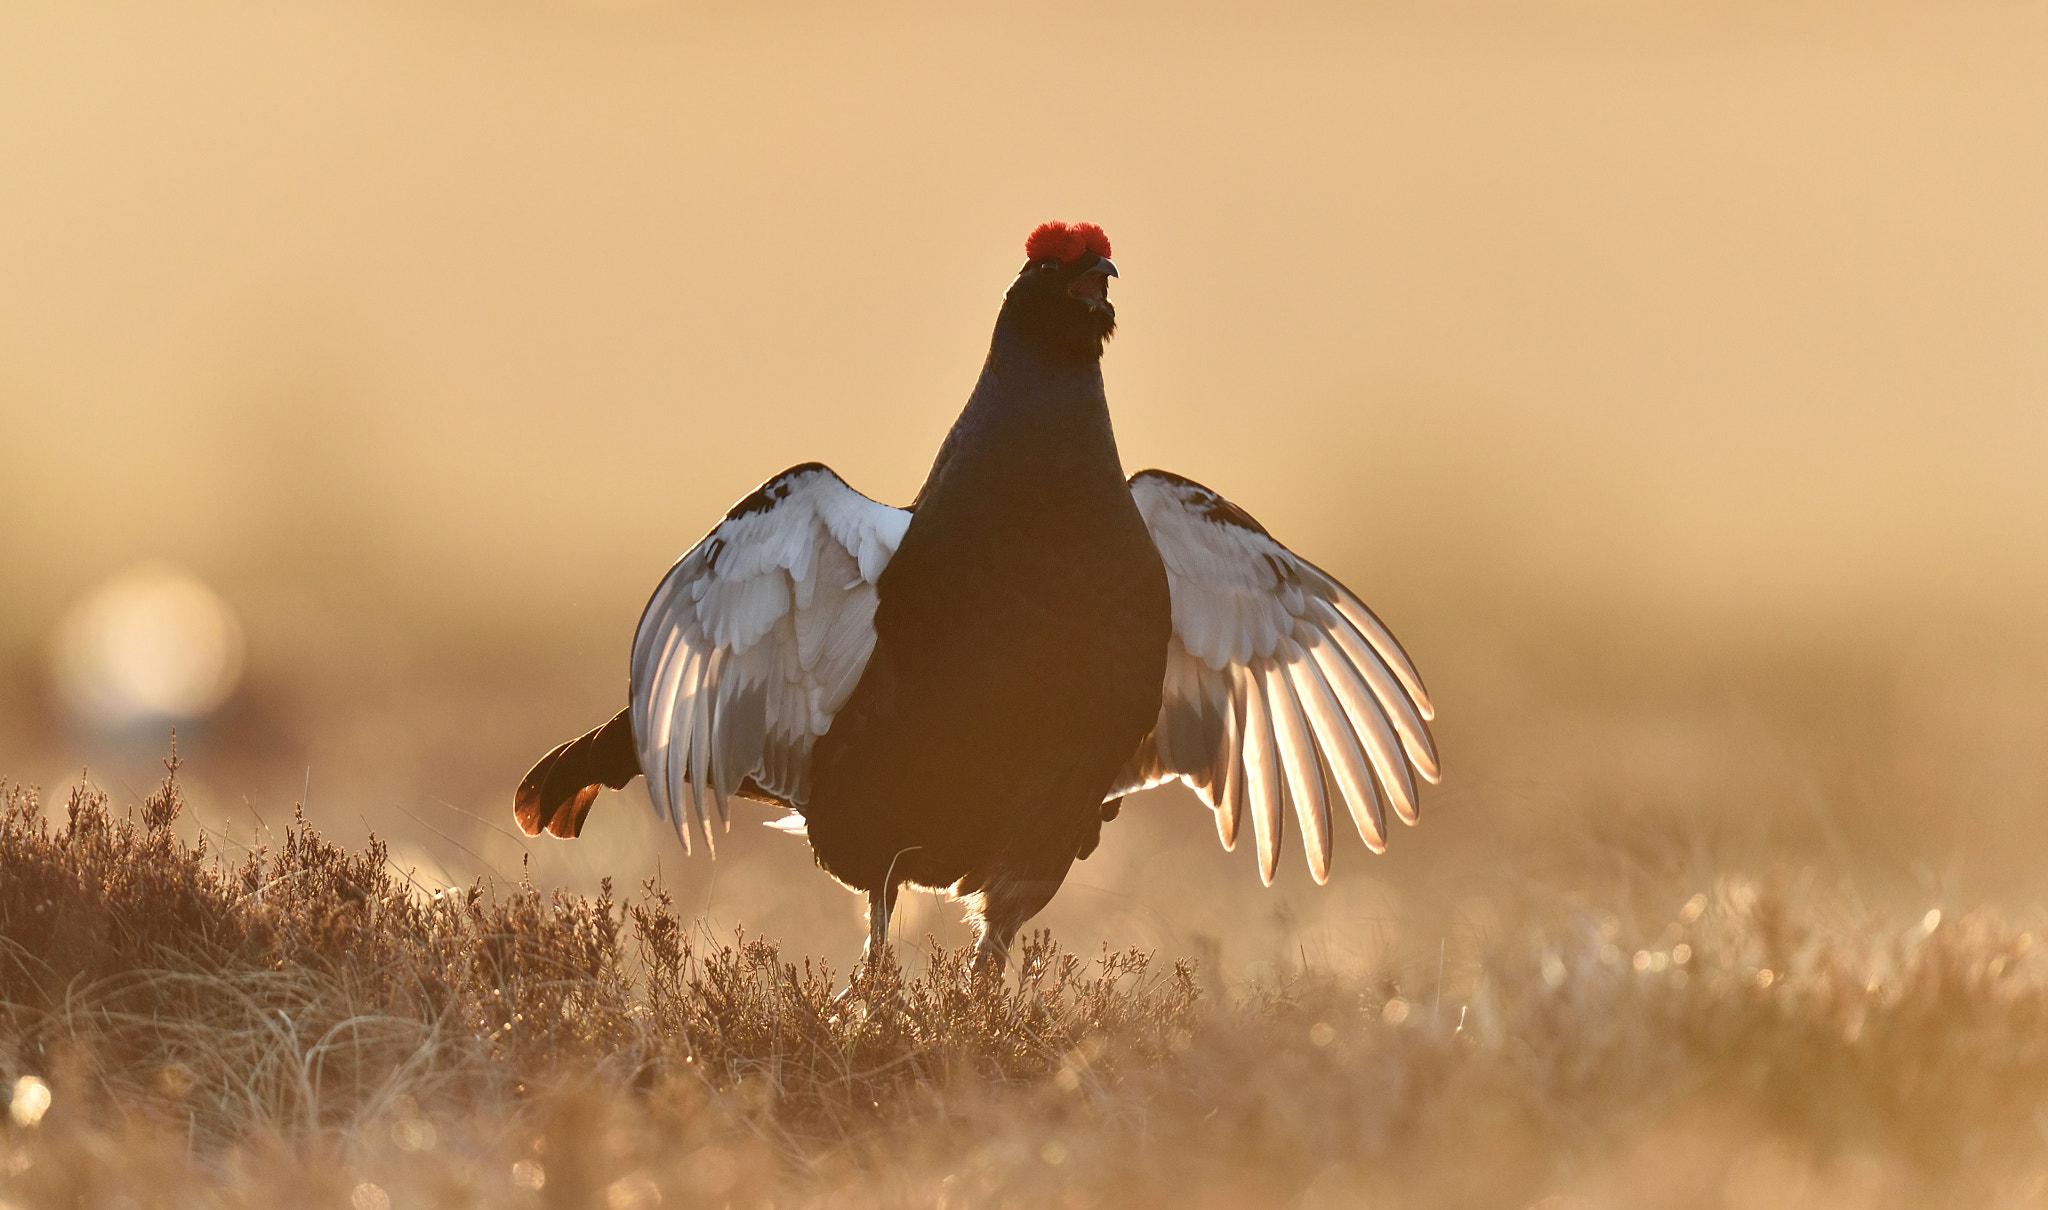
(957, 694)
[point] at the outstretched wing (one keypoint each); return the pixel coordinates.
(1281, 686)
(753, 641)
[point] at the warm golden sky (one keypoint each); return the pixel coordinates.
(444, 325)
(1738, 304)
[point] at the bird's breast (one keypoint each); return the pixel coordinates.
(1046, 563)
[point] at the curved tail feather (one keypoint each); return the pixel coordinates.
(557, 792)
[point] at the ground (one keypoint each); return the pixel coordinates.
(307, 1025)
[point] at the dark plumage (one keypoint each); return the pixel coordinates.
(957, 695)
(1020, 640)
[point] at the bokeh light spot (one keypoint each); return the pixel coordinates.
(151, 643)
(636, 1191)
(30, 1102)
(414, 1134)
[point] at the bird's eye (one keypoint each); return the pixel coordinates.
(1051, 266)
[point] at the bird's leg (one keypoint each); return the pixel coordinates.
(1004, 907)
(879, 910)
(879, 904)
(992, 953)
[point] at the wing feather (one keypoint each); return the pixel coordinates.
(1301, 765)
(1262, 777)
(674, 725)
(742, 729)
(1403, 711)
(753, 641)
(1389, 648)
(702, 716)
(1336, 727)
(1229, 800)
(659, 773)
(1281, 686)
(1367, 713)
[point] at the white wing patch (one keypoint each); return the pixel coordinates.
(1281, 686)
(754, 640)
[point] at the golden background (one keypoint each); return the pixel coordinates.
(1672, 377)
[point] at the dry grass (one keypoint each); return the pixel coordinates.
(309, 1027)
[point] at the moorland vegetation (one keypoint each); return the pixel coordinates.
(310, 1025)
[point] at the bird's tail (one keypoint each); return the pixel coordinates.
(557, 792)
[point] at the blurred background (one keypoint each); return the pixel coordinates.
(1672, 377)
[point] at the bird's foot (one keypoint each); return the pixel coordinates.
(875, 987)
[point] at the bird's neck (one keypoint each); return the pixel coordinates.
(1038, 417)
(1030, 390)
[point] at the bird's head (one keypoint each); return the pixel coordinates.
(1061, 296)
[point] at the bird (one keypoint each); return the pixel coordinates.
(958, 694)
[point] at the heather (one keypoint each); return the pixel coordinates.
(309, 1021)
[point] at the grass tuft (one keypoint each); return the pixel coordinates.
(308, 1026)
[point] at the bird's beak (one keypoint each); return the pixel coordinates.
(1092, 286)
